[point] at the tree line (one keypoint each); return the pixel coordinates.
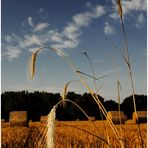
(40, 103)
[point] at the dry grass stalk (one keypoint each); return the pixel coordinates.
(86, 74)
(92, 68)
(51, 128)
(34, 56)
(119, 7)
(95, 97)
(32, 63)
(127, 61)
(64, 96)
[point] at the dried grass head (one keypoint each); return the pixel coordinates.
(119, 7)
(32, 63)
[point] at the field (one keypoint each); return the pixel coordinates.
(74, 134)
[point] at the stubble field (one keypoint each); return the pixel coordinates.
(74, 134)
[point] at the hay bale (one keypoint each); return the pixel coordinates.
(92, 118)
(2, 120)
(18, 118)
(142, 116)
(114, 115)
(43, 118)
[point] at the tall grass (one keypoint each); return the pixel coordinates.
(95, 97)
(125, 55)
(126, 58)
(95, 86)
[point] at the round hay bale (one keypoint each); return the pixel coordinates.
(18, 118)
(142, 116)
(115, 117)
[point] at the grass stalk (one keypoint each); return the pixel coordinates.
(67, 100)
(95, 97)
(64, 95)
(92, 69)
(95, 86)
(127, 61)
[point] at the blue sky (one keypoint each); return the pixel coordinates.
(72, 26)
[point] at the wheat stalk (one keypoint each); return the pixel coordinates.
(64, 96)
(92, 68)
(127, 61)
(32, 63)
(51, 128)
(95, 97)
(119, 7)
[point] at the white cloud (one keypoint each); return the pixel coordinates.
(85, 18)
(30, 40)
(56, 37)
(40, 27)
(66, 44)
(140, 20)
(129, 6)
(71, 32)
(99, 11)
(138, 5)
(8, 38)
(82, 19)
(66, 38)
(30, 21)
(108, 29)
(11, 53)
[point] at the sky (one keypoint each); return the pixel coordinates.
(75, 27)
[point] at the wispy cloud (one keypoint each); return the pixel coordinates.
(30, 40)
(67, 38)
(40, 27)
(140, 20)
(138, 5)
(72, 31)
(12, 53)
(129, 7)
(30, 21)
(85, 18)
(108, 29)
(8, 39)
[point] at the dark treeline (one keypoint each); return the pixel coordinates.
(40, 103)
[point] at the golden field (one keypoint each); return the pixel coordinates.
(74, 134)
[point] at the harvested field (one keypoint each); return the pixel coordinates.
(79, 134)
